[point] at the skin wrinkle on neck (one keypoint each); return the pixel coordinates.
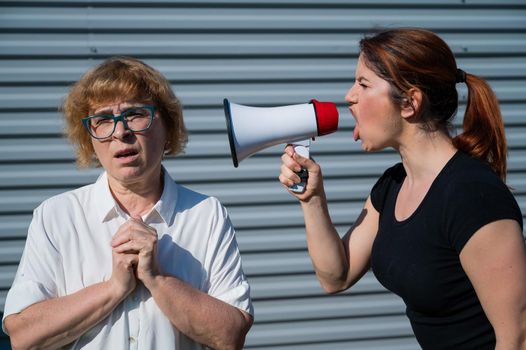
(137, 200)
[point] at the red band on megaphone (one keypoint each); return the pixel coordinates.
(326, 117)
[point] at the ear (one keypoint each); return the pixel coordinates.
(411, 103)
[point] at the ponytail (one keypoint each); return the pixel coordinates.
(483, 136)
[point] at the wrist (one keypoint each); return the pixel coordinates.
(314, 201)
(116, 292)
(152, 282)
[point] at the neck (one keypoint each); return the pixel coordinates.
(425, 155)
(138, 198)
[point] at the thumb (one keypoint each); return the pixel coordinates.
(302, 161)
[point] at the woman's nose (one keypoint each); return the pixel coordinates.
(351, 97)
(121, 130)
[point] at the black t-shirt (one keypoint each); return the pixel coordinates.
(418, 258)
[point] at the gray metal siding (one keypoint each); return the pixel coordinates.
(262, 53)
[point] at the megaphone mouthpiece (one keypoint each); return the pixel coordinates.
(326, 117)
(251, 129)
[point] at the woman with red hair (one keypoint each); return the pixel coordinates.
(441, 228)
(134, 260)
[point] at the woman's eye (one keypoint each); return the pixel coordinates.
(102, 121)
(136, 113)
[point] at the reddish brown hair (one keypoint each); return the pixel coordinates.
(126, 79)
(417, 58)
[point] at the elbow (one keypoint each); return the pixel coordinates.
(332, 288)
(234, 339)
(238, 341)
(15, 328)
(246, 324)
(333, 282)
(15, 339)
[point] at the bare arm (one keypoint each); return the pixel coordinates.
(203, 318)
(338, 262)
(495, 261)
(57, 322)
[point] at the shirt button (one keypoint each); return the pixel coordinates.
(131, 339)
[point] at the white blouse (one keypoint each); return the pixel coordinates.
(68, 248)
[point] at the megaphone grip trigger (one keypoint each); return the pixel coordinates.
(303, 174)
(300, 187)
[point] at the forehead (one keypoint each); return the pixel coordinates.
(105, 94)
(113, 106)
(363, 71)
(361, 67)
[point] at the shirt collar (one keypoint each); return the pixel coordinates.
(108, 208)
(165, 206)
(105, 204)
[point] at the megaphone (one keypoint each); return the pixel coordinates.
(251, 129)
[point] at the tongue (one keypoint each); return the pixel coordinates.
(356, 133)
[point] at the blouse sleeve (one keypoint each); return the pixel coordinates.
(472, 204)
(227, 280)
(36, 274)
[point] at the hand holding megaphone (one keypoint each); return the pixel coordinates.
(291, 162)
(251, 129)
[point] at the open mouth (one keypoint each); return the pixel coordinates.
(126, 153)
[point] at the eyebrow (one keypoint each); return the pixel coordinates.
(360, 78)
(109, 110)
(104, 111)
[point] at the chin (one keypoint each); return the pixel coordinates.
(370, 148)
(128, 174)
(366, 147)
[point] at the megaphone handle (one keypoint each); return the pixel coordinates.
(302, 148)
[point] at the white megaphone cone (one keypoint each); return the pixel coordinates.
(251, 129)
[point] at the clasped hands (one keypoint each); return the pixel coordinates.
(134, 254)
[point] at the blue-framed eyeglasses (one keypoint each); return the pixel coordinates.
(135, 119)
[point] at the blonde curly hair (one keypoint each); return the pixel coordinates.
(121, 79)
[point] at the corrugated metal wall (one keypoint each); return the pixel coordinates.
(261, 53)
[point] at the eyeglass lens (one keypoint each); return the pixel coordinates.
(135, 119)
